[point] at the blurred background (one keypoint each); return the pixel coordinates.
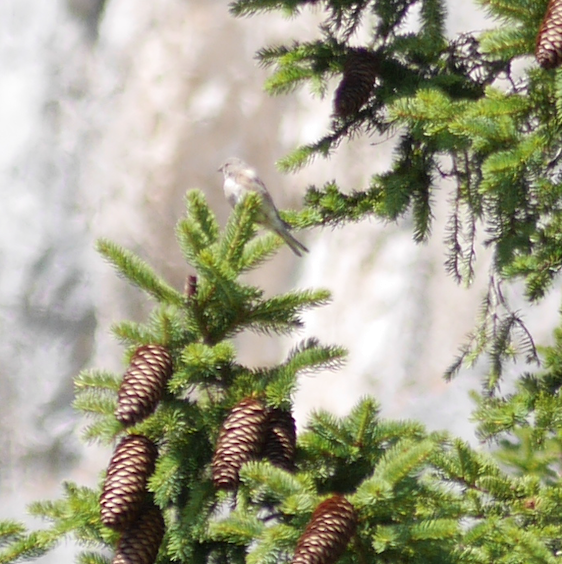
(109, 112)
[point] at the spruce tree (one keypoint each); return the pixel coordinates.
(479, 111)
(207, 466)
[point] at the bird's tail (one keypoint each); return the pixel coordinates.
(296, 246)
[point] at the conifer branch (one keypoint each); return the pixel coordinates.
(310, 356)
(96, 379)
(199, 231)
(138, 272)
(134, 333)
(239, 230)
(456, 111)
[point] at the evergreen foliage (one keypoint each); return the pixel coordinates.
(460, 119)
(194, 330)
(416, 496)
(454, 110)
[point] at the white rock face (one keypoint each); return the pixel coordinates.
(47, 317)
(109, 114)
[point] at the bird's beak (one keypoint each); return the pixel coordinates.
(220, 169)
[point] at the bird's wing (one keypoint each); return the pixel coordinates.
(257, 183)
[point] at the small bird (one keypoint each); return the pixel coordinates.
(240, 179)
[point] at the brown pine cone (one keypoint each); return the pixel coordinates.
(240, 440)
(548, 50)
(360, 71)
(143, 383)
(328, 532)
(280, 439)
(141, 541)
(124, 489)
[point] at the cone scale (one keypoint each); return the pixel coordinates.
(240, 440)
(280, 440)
(549, 40)
(360, 71)
(143, 384)
(141, 541)
(328, 532)
(124, 489)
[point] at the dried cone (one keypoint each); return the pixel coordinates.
(240, 440)
(124, 489)
(143, 383)
(328, 532)
(549, 40)
(360, 71)
(280, 439)
(140, 542)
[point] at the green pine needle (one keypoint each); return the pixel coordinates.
(138, 273)
(92, 558)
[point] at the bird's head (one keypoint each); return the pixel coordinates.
(233, 163)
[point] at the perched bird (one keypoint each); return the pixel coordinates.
(239, 179)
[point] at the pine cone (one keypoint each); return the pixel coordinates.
(140, 543)
(328, 532)
(548, 50)
(124, 489)
(143, 384)
(240, 440)
(280, 439)
(360, 70)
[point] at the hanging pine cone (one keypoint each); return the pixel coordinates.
(328, 532)
(124, 488)
(240, 440)
(280, 439)
(141, 541)
(360, 71)
(548, 50)
(143, 384)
